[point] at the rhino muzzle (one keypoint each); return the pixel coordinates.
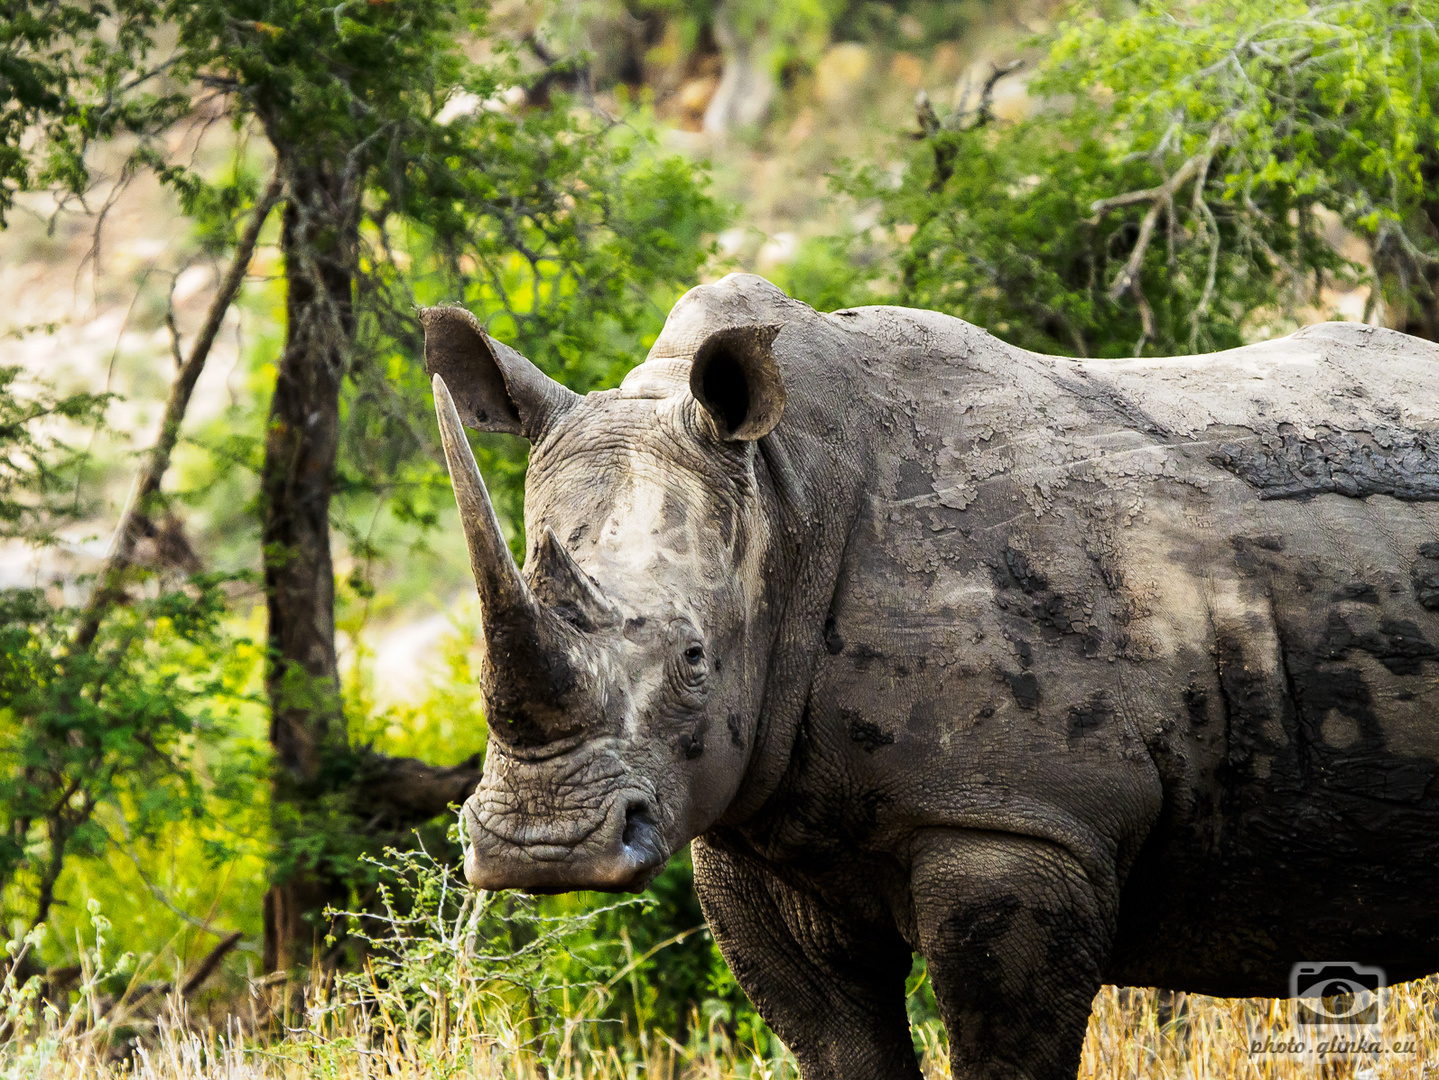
(620, 849)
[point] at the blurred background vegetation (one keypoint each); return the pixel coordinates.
(235, 632)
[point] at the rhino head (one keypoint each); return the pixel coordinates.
(620, 700)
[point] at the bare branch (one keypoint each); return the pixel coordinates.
(174, 330)
(1128, 277)
(1146, 317)
(1160, 199)
(408, 791)
(985, 112)
(209, 964)
(1202, 308)
(108, 588)
(925, 116)
(1166, 190)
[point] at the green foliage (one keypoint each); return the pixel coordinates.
(910, 22)
(107, 743)
(434, 949)
(72, 73)
(452, 982)
(824, 275)
(107, 738)
(550, 979)
(1174, 183)
(563, 229)
(41, 1034)
(568, 237)
(787, 33)
(37, 469)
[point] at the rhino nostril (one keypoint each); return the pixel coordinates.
(638, 820)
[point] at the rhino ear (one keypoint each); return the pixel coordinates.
(736, 380)
(494, 387)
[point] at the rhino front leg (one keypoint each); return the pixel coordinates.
(1015, 938)
(833, 990)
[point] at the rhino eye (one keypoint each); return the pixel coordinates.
(695, 654)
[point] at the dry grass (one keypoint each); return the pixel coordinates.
(447, 993)
(1132, 1034)
(1190, 1037)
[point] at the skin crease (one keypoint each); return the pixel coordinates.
(1054, 671)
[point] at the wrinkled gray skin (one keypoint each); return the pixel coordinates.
(1054, 671)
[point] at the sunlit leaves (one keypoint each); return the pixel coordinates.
(1291, 119)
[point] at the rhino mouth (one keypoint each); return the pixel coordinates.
(616, 846)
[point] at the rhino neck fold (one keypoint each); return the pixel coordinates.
(811, 482)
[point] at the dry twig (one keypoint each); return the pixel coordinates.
(109, 589)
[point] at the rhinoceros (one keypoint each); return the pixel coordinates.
(1054, 671)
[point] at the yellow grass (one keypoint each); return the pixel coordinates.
(1212, 1038)
(1132, 1034)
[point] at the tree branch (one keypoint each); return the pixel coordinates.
(1159, 198)
(405, 791)
(983, 112)
(1166, 190)
(109, 589)
(209, 964)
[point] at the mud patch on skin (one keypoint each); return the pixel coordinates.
(1253, 554)
(1426, 590)
(1196, 703)
(1362, 765)
(1025, 688)
(1029, 579)
(1426, 576)
(1093, 713)
(865, 656)
(736, 733)
(1398, 644)
(1358, 591)
(692, 744)
(867, 734)
(1289, 465)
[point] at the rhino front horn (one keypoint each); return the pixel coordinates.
(527, 676)
(502, 590)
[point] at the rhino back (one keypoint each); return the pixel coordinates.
(1313, 762)
(1178, 615)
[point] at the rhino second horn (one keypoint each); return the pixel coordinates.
(528, 678)
(563, 586)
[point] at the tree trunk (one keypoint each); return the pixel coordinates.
(307, 728)
(746, 86)
(316, 773)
